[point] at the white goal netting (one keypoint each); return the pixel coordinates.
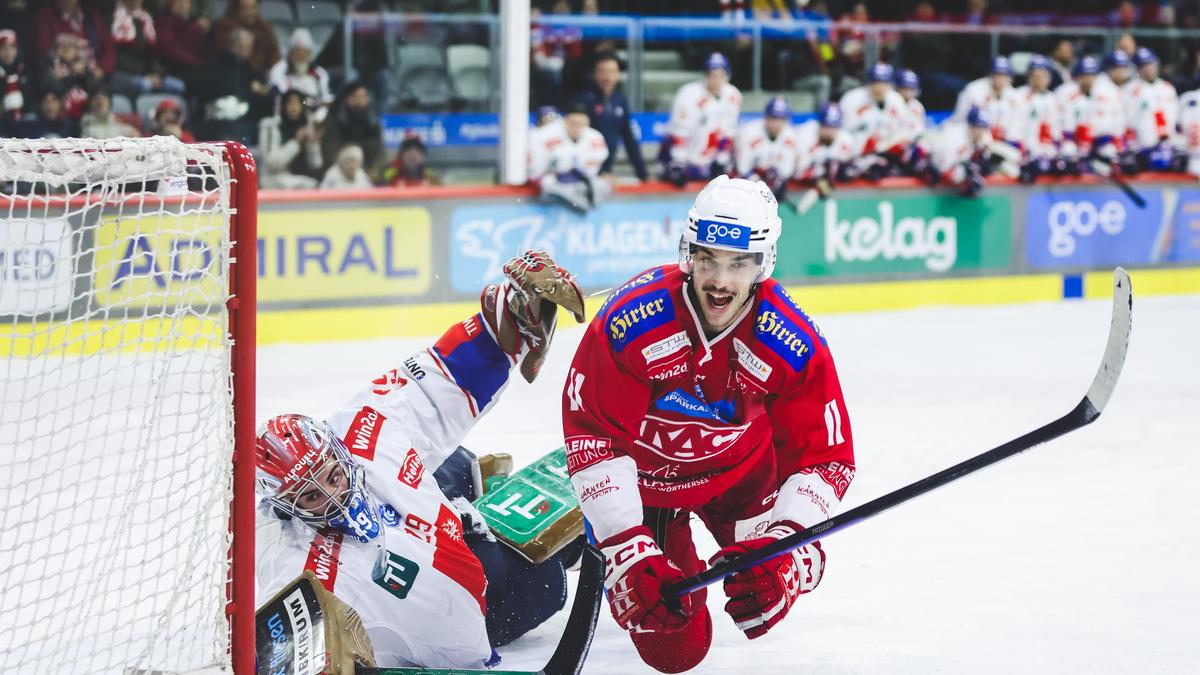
(116, 408)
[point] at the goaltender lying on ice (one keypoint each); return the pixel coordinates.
(375, 502)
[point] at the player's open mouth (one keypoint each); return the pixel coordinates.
(718, 301)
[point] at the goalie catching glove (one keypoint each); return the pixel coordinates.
(523, 310)
(761, 596)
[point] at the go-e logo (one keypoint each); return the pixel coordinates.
(726, 234)
(1068, 220)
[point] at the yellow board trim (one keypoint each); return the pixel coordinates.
(400, 321)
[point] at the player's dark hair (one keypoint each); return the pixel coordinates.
(606, 56)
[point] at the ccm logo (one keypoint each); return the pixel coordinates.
(412, 469)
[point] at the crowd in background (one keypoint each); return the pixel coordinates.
(106, 68)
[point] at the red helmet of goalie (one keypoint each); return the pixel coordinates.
(306, 472)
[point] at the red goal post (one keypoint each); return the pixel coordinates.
(127, 420)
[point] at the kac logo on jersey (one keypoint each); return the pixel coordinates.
(783, 336)
(723, 234)
(389, 515)
(639, 315)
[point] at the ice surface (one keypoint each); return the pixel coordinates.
(1079, 556)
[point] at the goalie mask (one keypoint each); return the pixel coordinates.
(733, 214)
(306, 472)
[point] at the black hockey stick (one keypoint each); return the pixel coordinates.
(576, 639)
(1134, 195)
(1085, 413)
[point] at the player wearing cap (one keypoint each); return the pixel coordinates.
(874, 118)
(766, 149)
(1042, 124)
(700, 387)
(1093, 120)
(1118, 68)
(565, 157)
(994, 94)
(966, 153)
(824, 151)
(704, 117)
(1151, 115)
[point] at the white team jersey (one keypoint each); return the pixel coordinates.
(951, 146)
(912, 126)
(552, 151)
(757, 151)
(1189, 126)
(873, 126)
(1151, 111)
(1093, 115)
(700, 123)
(1005, 108)
(812, 156)
(1042, 127)
(417, 587)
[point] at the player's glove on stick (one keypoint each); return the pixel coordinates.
(635, 571)
(761, 596)
(523, 310)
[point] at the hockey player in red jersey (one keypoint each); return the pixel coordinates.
(702, 388)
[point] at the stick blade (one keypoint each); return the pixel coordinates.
(1118, 342)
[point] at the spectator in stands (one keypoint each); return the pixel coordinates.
(298, 73)
(551, 48)
(71, 73)
(50, 121)
(15, 15)
(78, 18)
(244, 14)
(100, 122)
(233, 92)
(353, 122)
(610, 114)
(409, 168)
(14, 82)
(138, 69)
(169, 121)
(699, 140)
(347, 173)
(565, 159)
(1127, 43)
(1062, 60)
(182, 40)
(291, 146)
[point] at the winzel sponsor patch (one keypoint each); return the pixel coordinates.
(783, 336)
(666, 347)
(363, 433)
(637, 316)
(323, 558)
(753, 365)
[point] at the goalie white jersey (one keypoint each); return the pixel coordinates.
(417, 587)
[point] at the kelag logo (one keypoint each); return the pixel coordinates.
(1091, 228)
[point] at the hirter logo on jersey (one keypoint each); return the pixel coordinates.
(584, 451)
(363, 433)
(412, 470)
(388, 382)
(783, 336)
(638, 316)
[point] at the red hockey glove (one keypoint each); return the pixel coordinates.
(635, 571)
(760, 597)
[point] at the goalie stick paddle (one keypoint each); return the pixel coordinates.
(1084, 413)
(576, 639)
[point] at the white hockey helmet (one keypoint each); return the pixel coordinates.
(733, 214)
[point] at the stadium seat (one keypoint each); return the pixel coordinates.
(321, 32)
(659, 87)
(470, 73)
(121, 104)
(661, 59)
(309, 12)
(146, 103)
(422, 75)
(277, 11)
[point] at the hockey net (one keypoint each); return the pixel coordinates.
(118, 414)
